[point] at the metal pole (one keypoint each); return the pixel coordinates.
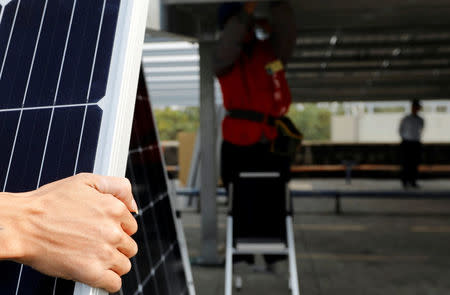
(209, 253)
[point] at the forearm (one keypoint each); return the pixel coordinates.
(229, 45)
(13, 210)
(284, 31)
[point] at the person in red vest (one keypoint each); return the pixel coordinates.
(249, 64)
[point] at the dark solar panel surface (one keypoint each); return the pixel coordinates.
(54, 62)
(157, 268)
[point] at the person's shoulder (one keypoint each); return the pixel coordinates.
(406, 117)
(417, 117)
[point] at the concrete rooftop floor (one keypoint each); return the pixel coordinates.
(375, 247)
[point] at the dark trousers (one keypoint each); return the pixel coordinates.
(411, 154)
(253, 158)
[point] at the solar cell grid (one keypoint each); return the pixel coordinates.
(58, 50)
(157, 268)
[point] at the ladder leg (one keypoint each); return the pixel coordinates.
(293, 276)
(229, 257)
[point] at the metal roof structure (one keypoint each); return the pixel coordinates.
(347, 50)
(173, 73)
(350, 50)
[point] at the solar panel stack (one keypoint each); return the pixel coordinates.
(68, 76)
(157, 268)
(50, 84)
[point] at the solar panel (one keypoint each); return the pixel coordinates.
(68, 72)
(157, 268)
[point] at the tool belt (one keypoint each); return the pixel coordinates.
(289, 138)
(252, 116)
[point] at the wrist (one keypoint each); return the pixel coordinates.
(14, 210)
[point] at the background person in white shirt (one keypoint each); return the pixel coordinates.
(411, 128)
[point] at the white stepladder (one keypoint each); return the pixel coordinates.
(254, 199)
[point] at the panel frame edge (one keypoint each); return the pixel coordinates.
(115, 132)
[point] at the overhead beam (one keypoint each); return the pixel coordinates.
(330, 98)
(367, 93)
(339, 83)
(380, 15)
(358, 45)
(397, 75)
(181, 22)
(375, 30)
(300, 57)
(332, 67)
(172, 2)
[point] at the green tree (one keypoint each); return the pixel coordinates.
(313, 122)
(171, 121)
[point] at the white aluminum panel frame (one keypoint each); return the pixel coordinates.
(118, 104)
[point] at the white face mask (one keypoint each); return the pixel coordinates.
(261, 34)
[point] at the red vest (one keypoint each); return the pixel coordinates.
(249, 86)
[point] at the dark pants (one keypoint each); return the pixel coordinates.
(411, 153)
(253, 158)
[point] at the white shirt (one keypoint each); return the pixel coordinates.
(411, 128)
